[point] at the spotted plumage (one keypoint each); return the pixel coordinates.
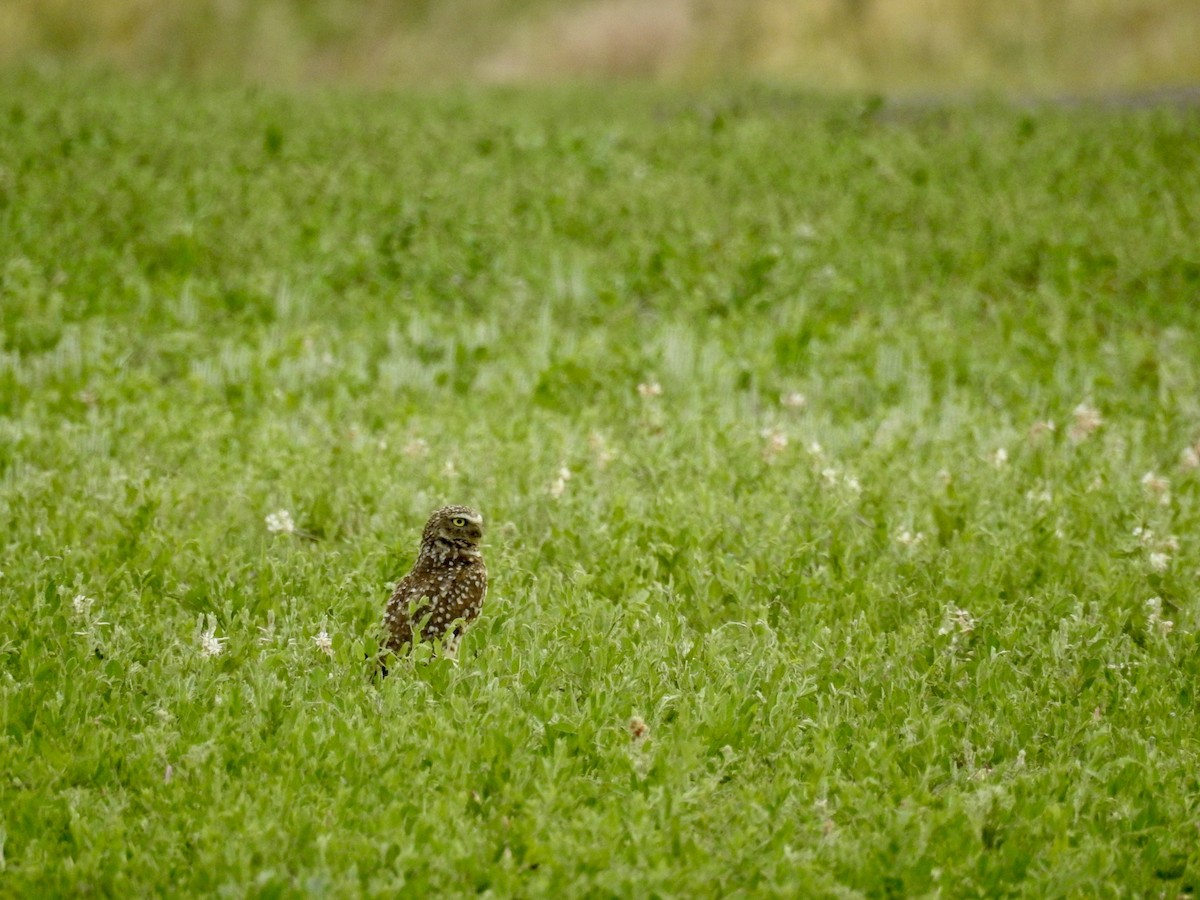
(445, 589)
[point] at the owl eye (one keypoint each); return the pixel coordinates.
(458, 522)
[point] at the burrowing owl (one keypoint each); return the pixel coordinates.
(444, 591)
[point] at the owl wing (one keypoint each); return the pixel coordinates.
(408, 605)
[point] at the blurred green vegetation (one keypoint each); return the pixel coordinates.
(893, 46)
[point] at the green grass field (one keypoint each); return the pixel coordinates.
(839, 464)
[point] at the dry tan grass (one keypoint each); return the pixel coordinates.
(887, 45)
(1026, 44)
(607, 38)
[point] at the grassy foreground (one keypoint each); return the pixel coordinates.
(840, 469)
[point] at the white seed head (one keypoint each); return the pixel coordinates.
(776, 443)
(82, 605)
(210, 644)
(1085, 420)
(416, 449)
(280, 522)
(324, 642)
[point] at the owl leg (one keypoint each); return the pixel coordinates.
(380, 669)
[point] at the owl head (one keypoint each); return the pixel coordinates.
(459, 526)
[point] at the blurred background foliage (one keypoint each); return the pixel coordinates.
(891, 46)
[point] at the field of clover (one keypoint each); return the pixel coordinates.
(839, 460)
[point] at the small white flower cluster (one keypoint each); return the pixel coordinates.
(907, 538)
(1158, 561)
(775, 443)
(1041, 496)
(82, 605)
(1154, 617)
(958, 621)
(602, 453)
(1085, 420)
(418, 448)
(1157, 487)
(1041, 429)
(280, 522)
(324, 642)
(559, 486)
(999, 458)
(1189, 457)
(210, 644)
(793, 400)
(833, 477)
(1160, 549)
(649, 389)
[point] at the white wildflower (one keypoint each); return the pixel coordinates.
(1039, 430)
(906, 538)
(280, 522)
(1148, 539)
(210, 644)
(324, 642)
(1189, 457)
(648, 389)
(1158, 561)
(602, 453)
(1158, 487)
(1086, 419)
(834, 477)
(82, 605)
(776, 443)
(1042, 496)
(559, 486)
(999, 458)
(815, 449)
(958, 622)
(793, 400)
(1154, 617)
(449, 470)
(416, 449)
